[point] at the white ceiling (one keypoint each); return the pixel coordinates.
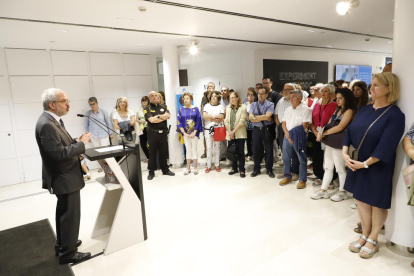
(372, 17)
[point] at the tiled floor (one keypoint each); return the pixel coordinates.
(216, 224)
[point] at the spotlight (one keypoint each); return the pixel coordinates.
(193, 47)
(344, 7)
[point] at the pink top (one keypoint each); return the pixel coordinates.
(323, 113)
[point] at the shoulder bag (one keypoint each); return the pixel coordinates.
(334, 140)
(352, 152)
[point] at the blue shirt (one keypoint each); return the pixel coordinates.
(265, 107)
(92, 127)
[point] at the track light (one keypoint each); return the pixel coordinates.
(344, 7)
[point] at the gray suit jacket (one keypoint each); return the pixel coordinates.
(61, 169)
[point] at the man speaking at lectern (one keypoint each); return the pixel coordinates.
(61, 172)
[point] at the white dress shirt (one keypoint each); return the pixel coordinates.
(296, 117)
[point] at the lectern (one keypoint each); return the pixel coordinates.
(122, 211)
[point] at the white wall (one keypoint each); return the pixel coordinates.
(333, 57)
(25, 73)
(235, 71)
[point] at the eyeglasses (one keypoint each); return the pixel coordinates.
(261, 93)
(287, 89)
(63, 101)
(233, 98)
(122, 101)
(224, 90)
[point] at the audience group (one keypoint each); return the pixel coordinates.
(341, 134)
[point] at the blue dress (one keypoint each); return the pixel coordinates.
(374, 185)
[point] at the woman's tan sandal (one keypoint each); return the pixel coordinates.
(367, 253)
(356, 246)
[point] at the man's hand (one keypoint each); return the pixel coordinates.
(85, 138)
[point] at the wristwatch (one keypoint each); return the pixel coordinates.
(366, 165)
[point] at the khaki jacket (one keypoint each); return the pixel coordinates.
(241, 118)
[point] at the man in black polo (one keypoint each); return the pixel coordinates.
(157, 115)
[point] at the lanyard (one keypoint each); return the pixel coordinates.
(321, 111)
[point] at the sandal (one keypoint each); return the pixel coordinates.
(195, 171)
(218, 169)
(369, 252)
(208, 170)
(356, 246)
(186, 171)
(317, 182)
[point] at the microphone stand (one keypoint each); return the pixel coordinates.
(98, 124)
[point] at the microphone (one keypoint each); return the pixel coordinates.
(97, 122)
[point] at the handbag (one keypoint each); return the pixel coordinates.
(407, 174)
(232, 150)
(352, 151)
(334, 140)
(219, 133)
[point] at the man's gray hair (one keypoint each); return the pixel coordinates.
(291, 85)
(330, 87)
(298, 93)
(49, 96)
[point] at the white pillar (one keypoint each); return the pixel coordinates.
(399, 227)
(171, 82)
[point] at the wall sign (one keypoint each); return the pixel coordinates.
(307, 73)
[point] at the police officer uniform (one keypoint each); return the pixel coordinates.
(157, 139)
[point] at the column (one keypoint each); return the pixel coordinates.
(171, 83)
(399, 228)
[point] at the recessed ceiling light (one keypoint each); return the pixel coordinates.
(141, 44)
(52, 41)
(62, 31)
(389, 41)
(190, 31)
(213, 45)
(311, 31)
(393, 20)
(126, 19)
(329, 46)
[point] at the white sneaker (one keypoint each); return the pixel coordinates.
(295, 177)
(339, 196)
(354, 206)
(319, 195)
(186, 171)
(336, 183)
(195, 171)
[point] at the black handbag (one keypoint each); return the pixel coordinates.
(232, 150)
(334, 140)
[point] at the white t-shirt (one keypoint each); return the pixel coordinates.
(116, 116)
(296, 117)
(214, 110)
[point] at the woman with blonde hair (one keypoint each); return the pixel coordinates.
(124, 119)
(371, 170)
(235, 122)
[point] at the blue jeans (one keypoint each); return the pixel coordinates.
(288, 155)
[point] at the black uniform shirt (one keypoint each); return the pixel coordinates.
(153, 110)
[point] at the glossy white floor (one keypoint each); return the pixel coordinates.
(216, 224)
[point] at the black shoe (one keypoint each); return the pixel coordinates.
(223, 159)
(76, 258)
(242, 174)
(233, 172)
(57, 247)
(270, 174)
(255, 173)
(151, 176)
(170, 173)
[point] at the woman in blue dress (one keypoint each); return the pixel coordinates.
(370, 177)
(189, 124)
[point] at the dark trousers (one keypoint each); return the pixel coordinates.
(143, 140)
(249, 142)
(280, 135)
(158, 144)
(240, 156)
(262, 146)
(317, 159)
(67, 223)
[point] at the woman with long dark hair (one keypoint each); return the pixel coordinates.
(332, 137)
(360, 91)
